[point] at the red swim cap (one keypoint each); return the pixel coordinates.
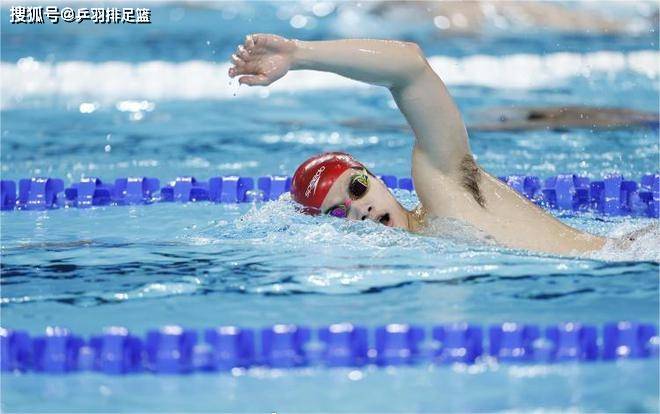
(313, 179)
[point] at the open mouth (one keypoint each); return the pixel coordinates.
(385, 219)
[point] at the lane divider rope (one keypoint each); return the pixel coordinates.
(613, 195)
(176, 350)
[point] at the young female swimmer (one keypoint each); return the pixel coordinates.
(448, 181)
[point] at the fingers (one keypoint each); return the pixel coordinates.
(253, 80)
(239, 68)
(242, 69)
(256, 42)
(258, 39)
(245, 60)
(249, 42)
(243, 63)
(241, 57)
(236, 60)
(235, 71)
(253, 45)
(242, 53)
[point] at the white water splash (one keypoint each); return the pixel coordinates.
(278, 223)
(645, 247)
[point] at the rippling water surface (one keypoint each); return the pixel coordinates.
(204, 264)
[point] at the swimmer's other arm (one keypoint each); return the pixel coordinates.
(441, 137)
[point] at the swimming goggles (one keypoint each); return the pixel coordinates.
(357, 188)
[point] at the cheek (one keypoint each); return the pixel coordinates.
(387, 201)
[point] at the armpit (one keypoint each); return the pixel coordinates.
(471, 177)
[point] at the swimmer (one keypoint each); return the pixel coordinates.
(448, 181)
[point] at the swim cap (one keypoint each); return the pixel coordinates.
(313, 179)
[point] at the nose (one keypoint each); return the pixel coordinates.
(362, 211)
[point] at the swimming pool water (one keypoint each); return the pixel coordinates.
(202, 265)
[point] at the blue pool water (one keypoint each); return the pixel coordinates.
(155, 101)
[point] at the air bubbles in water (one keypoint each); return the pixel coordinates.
(323, 8)
(88, 107)
(298, 21)
(441, 22)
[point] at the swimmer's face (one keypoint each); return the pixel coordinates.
(377, 203)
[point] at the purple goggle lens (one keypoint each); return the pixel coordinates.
(338, 212)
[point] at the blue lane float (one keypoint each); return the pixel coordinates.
(176, 350)
(614, 195)
(39, 193)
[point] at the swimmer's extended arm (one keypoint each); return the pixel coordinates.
(400, 66)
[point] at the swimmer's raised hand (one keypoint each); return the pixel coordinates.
(262, 59)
